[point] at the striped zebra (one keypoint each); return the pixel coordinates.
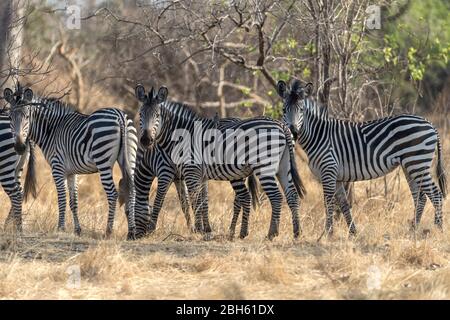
(11, 166)
(157, 163)
(74, 143)
(158, 125)
(341, 151)
(151, 164)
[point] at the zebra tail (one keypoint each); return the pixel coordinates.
(440, 171)
(253, 186)
(127, 177)
(297, 180)
(30, 185)
(298, 183)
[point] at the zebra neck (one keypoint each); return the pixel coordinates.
(172, 122)
(43, 123)
(314, 132)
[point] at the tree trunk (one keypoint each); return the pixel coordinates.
(222, 109)
(5, 21)
(11, 36)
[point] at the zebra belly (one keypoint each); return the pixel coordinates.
(84, 167)
(79, 160)
(364, 175)
(227, 172)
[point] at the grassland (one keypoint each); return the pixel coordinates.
(386, 260)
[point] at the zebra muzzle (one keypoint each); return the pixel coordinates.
(145, 141)
(20, 147)
(294, 132)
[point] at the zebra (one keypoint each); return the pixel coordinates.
(74, 143)
(157, 125)
(342, 151)
(157, 163)
(151, 164)
(11, 166)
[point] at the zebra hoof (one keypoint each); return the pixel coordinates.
(108, 233)
(231, 236)
(140, 235)
(198, 229)
(272, 235)
(131, 236)
(243, 235)
(352, 235)
(438, 225)
(151, 228)
(77, 231)
(208, 236)
(61, 229)
(412, 226)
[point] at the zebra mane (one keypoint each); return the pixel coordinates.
(55, 104)
(295, 93)
(296, 85)
(322, 110)
(182, 109)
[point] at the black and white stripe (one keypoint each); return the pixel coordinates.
(342, 151)
(11, 165)
(157, 125)
(157, 163)
(74, 143)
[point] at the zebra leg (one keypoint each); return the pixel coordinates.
(60, 182)
(435, 195)
(111, 194)
(419, 198)
(205, 210)
(130, 213)
(15, 195)
(143, 181)
(242, 199)
(236, 211)
(329, 191)
(245, 201)
(9, 217)
(194, 190)
(270, 187)
(236, 207)
(183, 196)
(73, 202)
(163, 187)
(341, 196)
(291, 194)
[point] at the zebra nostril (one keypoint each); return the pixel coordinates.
(145, 141)
(20, 148)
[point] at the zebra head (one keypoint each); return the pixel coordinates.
(294, 103)
(20, 115)
(150, 114)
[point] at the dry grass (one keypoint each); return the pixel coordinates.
(386, 260)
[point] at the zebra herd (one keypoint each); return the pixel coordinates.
(175, 144)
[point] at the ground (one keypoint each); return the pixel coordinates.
(385, 261)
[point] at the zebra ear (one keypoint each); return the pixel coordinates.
(308, 89)
(8, 94)
(282, 88)
(28, 95)
(162, 94)
(140, 93)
